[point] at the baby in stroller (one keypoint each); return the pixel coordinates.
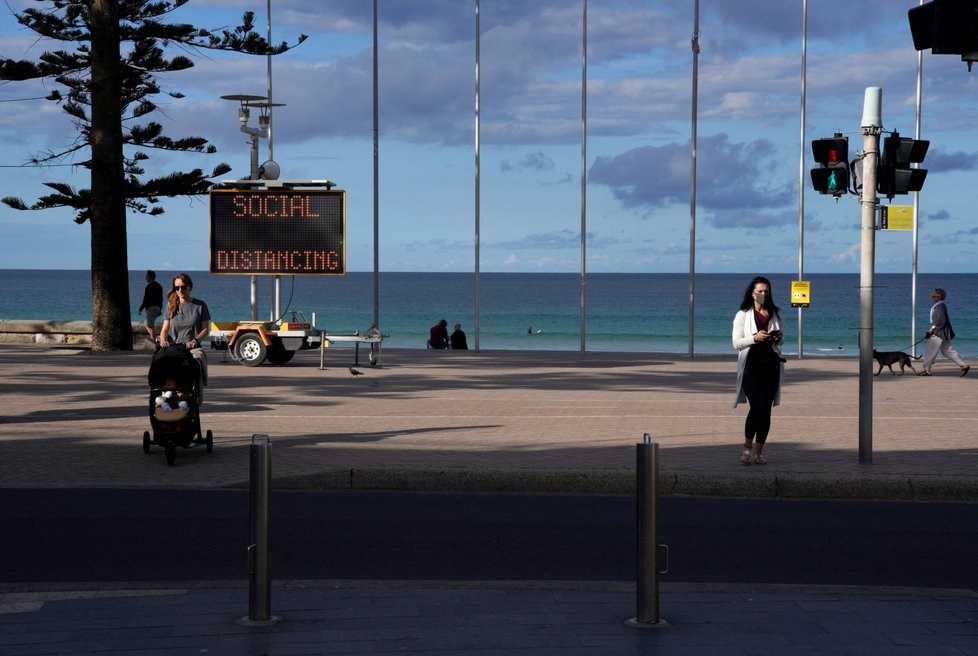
(174, 402)
(172, 397)
(174, 380)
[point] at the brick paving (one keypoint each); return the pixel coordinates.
(491, 420)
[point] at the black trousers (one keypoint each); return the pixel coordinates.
(760, 384)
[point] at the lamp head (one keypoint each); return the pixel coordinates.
(270, 170)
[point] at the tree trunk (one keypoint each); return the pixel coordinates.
(111, 323)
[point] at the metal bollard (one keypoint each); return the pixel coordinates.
(647, 561)
(259, 588)
(322, 350)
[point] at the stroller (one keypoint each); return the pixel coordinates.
(174, 413)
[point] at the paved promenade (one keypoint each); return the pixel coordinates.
(487, 421)
(491, 420)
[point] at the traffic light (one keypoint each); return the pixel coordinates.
(832, 155)
(947, 27)
(894, 175)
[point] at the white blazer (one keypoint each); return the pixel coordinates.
(744, 328)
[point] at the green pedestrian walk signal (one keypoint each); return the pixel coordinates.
(832, 155)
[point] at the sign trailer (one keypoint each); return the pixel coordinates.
(279, 230)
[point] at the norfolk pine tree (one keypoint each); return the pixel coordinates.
(107, 89)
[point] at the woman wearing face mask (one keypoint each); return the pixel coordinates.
(757, 337)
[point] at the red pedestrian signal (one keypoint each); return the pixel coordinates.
(832, 176)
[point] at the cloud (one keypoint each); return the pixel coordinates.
(749, 23)
(529, 73)
(956, 161)
(730, 176)
(554, 240)
(530, 162)
(849, 255)
(751, 220)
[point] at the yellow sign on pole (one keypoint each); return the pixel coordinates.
(896, 217)
(800, 293)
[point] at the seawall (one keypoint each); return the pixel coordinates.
(73, 333)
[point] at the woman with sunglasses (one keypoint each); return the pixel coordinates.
(187, 321)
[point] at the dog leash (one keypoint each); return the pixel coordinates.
(917, 342)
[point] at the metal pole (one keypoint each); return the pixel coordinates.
(277, 284)
(253, 154)
(871, 127)
(692, 178)
(276, 298)
(916, 214)
(583, 176)
(801, 170)
(322, 350)
(268, 10)
(376, 182)
(478, 188)
(647, 561)
(254, 298)
(259, 592)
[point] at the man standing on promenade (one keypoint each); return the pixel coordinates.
(152, 303)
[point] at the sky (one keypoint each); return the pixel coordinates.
(638, 215)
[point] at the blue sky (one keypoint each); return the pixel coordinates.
(638, 149)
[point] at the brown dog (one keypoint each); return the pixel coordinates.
(890, 358)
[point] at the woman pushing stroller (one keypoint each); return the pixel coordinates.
(186, 320)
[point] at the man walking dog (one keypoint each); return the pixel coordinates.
(939, 336)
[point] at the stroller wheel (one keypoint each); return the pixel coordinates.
(146, 442)
(171, 454)
(209, 441)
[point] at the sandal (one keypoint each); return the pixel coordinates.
(927, 373)
(745, 457)
(760, 460)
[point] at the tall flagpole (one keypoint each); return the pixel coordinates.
(477, 182)
(268, 8)
(376, 182)
(276, 312)
(801, 168)
(916, 214)
(583, 176)
(692, 177)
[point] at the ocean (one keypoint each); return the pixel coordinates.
(542, 311)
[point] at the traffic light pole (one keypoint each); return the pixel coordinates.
(871, 127)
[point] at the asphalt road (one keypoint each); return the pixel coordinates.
(78, 535)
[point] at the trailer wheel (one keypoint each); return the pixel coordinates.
(279, 355)
(251, 350)
(171, 454)
(146, 442)
(209, 441)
